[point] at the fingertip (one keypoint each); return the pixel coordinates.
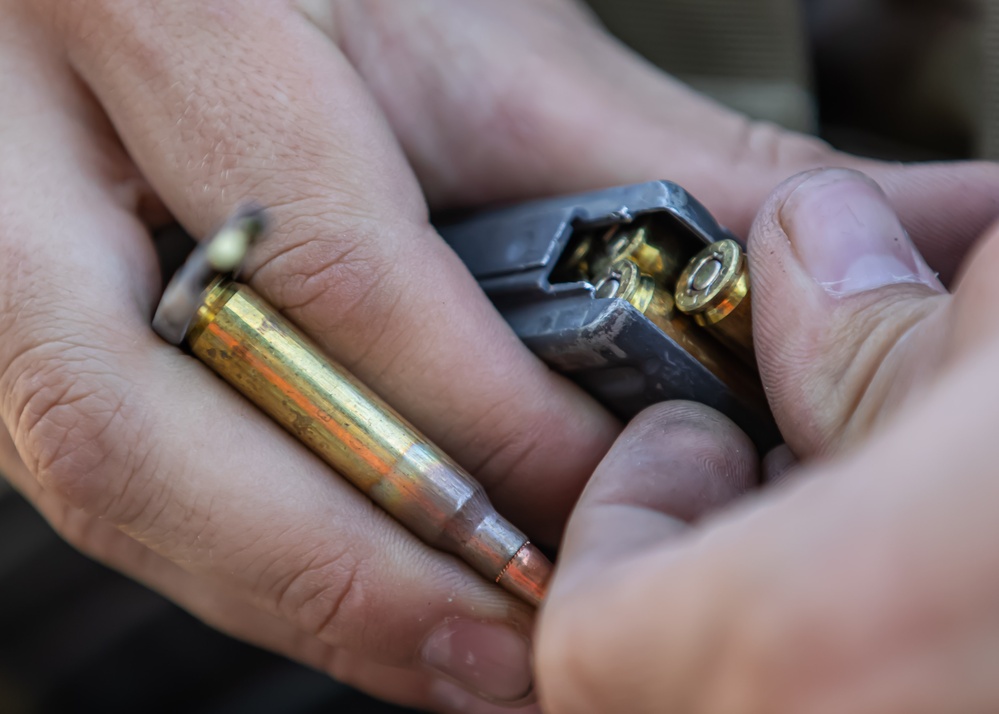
(708, 458)
(778, 465)
(673, 464)
(690, 444)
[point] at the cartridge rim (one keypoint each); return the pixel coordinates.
(714, 283)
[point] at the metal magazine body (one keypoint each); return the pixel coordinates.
(522, 256)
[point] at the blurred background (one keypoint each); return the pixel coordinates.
(895, 79)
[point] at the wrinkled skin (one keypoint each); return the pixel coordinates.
(350, 119)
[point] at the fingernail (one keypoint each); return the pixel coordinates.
(848, 237)
(488, 659)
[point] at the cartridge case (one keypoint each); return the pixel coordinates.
(626, 281)
(714, 290)
(285, 374)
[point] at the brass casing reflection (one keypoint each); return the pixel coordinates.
(714, 290)
(660, 259)
(281, 371)
(626, 281)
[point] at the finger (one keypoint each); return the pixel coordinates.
(249, 99)
(778, 465)
(829, 256)
(674, 463)
(124, 428)
(448, 74)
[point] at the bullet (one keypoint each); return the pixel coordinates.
(714, 291)
(256, 350)
(625, 280)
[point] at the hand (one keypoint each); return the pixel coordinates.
(118, 113)
(867, 584)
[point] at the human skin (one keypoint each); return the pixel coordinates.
(351, 120)
(866, 581)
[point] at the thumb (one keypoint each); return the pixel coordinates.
(848, 316)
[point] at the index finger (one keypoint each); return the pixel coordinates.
(672, 465)
(219, 101)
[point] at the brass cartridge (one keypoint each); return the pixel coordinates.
(256, 350)
(626, 280)
(714, 290)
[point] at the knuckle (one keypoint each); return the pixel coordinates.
(325, 597)
(329, 269)
(70, 417)
(313, 273)
(768, 146)
(59, 423)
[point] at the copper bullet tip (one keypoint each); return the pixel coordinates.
(527, 574)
